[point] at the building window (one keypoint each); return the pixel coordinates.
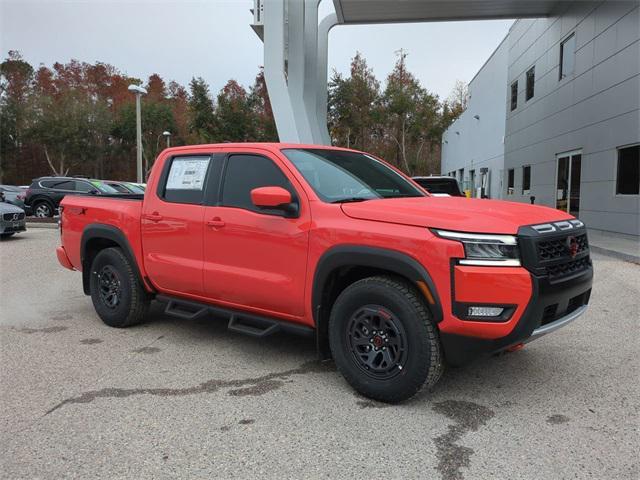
(628, 179)
(567, 56)
(531, 81)
(514, 95)
(526, 180)
(510, 181)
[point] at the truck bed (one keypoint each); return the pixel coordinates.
(121, 211)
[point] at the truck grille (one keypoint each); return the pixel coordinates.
(557, 248)
(558, 253)
(568, 268)
(13, 217)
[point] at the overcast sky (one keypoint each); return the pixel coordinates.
(212, 39)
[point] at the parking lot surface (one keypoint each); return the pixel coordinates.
(188, 399)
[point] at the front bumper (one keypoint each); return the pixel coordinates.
(555, 325)
(553, 304)
(12, 227)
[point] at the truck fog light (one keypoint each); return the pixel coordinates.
(478, 311)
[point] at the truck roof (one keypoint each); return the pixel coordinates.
(264, 145)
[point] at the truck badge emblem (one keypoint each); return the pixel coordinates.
(572, 246)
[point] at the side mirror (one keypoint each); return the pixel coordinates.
(94, 192)
(273, 197)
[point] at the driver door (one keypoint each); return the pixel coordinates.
(255, 259)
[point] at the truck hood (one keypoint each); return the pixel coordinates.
(454, 213)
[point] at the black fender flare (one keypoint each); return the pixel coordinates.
(102, 231)
(363, 256)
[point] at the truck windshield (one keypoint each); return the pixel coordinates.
(339, 176)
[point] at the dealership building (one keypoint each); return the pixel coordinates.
(553, 116)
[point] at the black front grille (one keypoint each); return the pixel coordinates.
(568, 268)
(13, 217)
(557, 248)
(558, 254)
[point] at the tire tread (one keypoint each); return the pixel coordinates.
(418, 304)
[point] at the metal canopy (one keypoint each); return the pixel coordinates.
(296, 43)
(396, 11)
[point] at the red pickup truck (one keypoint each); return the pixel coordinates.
(393, 283)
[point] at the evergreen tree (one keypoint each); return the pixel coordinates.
(202, 118)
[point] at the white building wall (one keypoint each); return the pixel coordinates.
(475, 143)
(594, 110)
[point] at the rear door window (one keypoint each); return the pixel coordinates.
(185, 179)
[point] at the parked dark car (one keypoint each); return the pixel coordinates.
(125, 187)
(11, 220)
(440, 186)
(14, 195)
(45, 193)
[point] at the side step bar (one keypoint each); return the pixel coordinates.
(241, 322)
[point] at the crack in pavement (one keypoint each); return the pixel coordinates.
(252, 386)
(468, 417)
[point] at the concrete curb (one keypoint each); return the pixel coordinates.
(618, 255)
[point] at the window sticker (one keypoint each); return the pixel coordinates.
(187, 174)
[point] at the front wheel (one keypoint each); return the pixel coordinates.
(117, 295)
(383, 340)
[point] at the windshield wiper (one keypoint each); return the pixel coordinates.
(351, 200)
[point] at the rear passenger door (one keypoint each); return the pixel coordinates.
(256, 259)
(172, 224)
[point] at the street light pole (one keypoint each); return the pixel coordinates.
(167, 135)
(139, 91)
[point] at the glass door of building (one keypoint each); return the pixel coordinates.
(568, 182)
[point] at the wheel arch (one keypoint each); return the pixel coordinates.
(97, 237)
(342, 265)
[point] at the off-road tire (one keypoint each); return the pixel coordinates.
(424, 361)
(133, 301)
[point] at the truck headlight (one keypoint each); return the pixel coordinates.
(486, 249)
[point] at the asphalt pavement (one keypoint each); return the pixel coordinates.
(189, 399)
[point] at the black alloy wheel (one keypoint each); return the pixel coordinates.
(110, 287)
(377, 341)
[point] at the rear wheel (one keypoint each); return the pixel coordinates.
(42, 210)
(118, 296)
(383, 340)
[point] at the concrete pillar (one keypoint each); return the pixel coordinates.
(322, 94)
(299, 94)
(297, 51)
(311, 86)
(274, 70)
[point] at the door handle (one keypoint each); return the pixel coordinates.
(154, 217)
(216, 222)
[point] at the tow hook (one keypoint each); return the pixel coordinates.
(515, 348)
